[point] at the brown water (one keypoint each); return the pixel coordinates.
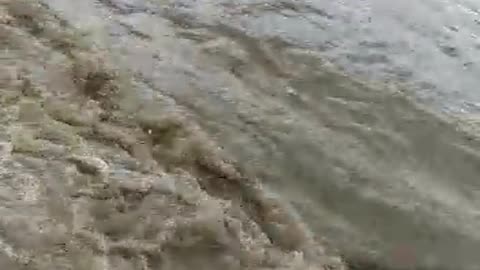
(191, 134)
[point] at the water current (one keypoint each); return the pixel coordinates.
(249, 134)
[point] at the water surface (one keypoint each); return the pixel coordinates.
(337, 122)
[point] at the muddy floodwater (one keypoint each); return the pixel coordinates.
(249, 134)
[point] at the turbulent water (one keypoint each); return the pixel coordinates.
(214, 134)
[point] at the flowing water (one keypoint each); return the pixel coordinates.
(250, 134)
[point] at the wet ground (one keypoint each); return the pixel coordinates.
(151, 134)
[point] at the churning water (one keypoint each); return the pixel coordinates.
(215, 134)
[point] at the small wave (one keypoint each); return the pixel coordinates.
(112, 182)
